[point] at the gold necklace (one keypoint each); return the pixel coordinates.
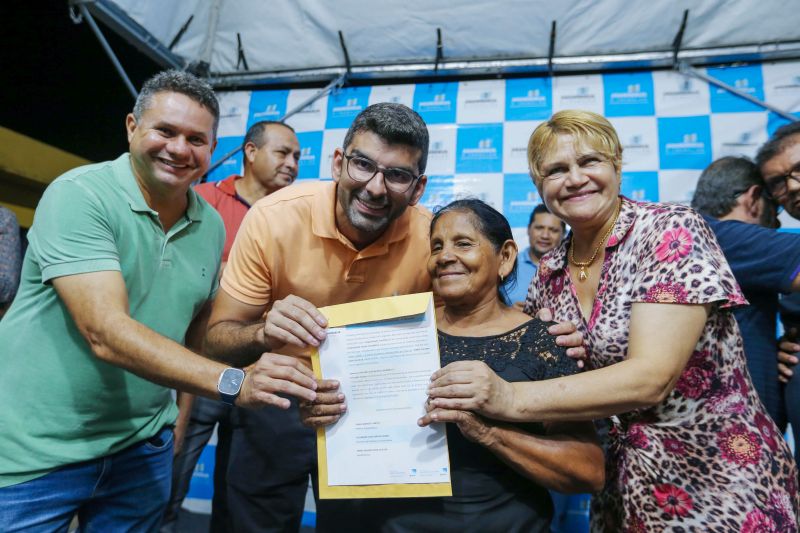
(582, 275)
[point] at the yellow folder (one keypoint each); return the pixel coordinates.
(379, 309)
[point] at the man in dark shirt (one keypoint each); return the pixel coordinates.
(779, 163)
(734, 201)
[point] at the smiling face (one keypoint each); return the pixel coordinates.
(364, 209)
(464, 265)
(578, 184)
(171, 144)
(544, 233)
(274, 164)
(784, 162)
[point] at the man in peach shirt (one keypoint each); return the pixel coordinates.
(307, 246)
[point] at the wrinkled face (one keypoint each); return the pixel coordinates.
(578, 184)
(365, 209)
(172, 142)
(544, 233)
(781, 165)
(464, 265)
(274, 164)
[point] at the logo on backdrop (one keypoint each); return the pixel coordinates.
(484, 98)
(747, 79)
(311, 146)
(267, 105)
(640, 186)
(344, 105)
(745, 140)
(581, 96)
(436, 102)
(479, 148)
(628, 94)
(685, 142)
(529, 99)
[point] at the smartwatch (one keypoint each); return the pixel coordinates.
(230, 384)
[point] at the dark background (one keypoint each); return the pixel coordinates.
(58, 85)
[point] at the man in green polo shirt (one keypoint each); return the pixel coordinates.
(121, 266)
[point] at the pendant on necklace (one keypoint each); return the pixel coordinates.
(582, 275)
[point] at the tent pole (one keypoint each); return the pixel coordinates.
(335, 84)
(117, 65)
(687, 70)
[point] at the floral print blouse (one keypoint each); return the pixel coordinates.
(708, 458)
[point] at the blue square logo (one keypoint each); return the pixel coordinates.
(640, 186)
(232, 165)
(529, 99)
(436, 102)
(519, 199)
(267, 105)
(310, 154)
(684, 142)
(748, 80)
(344, 105)
(479, 148)
(629, 94)
(439, 191)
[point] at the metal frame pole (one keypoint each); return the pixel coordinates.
(104, 43)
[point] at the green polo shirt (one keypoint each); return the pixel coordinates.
(60, 403)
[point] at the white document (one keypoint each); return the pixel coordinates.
(384, 369)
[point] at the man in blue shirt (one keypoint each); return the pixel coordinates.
(740, 210)
(545, 232)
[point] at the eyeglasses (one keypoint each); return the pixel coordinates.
(778, 185)
(362, 169)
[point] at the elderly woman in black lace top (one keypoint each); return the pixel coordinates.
(500, 472)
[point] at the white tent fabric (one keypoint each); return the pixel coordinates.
(296, 35)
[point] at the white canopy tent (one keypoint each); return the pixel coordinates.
(238, 43)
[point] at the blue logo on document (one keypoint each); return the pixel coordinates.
(479, 148)
(629, 94)
(310, 154)
(232, 165)
(267, 105)
(439, 192)
(684, 142)
(519, 199)
(436, 102)
(748, 80)
(344, 105)
(529, 99)
(640, 186)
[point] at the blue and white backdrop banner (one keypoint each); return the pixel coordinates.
(671, 127)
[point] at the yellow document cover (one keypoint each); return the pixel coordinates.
(393, 307)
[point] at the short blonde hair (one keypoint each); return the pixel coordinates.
(585, 127)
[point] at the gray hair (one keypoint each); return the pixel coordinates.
(177, 81)
(777, 143)
(395, 124)
(721, 182)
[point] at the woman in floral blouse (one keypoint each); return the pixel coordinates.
(691, 445)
